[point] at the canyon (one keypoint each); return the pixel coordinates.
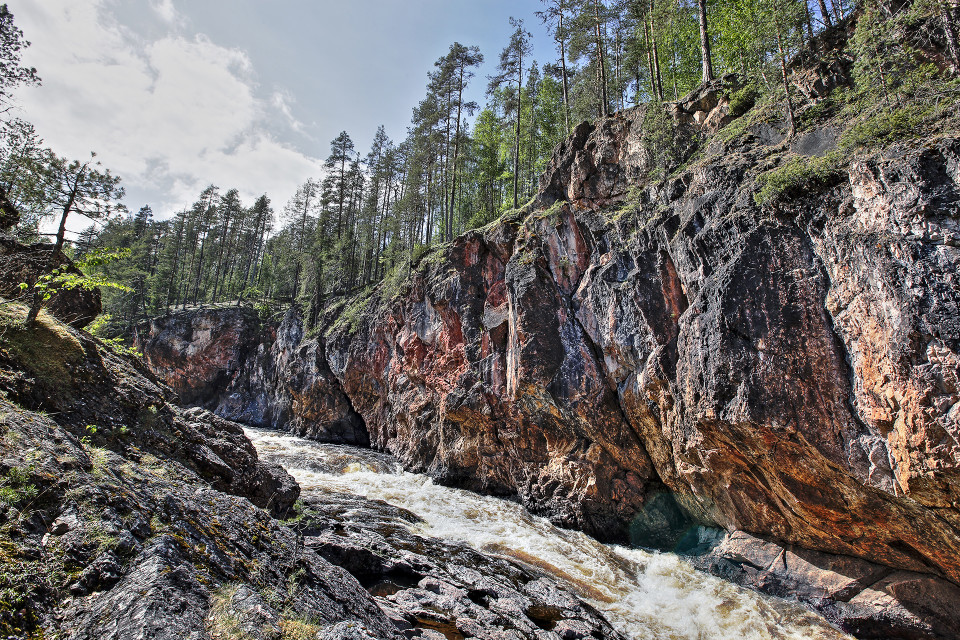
(648, 360)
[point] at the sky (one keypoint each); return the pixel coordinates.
(174, 95)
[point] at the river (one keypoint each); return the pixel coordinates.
(643, 594)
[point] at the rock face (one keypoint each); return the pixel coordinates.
(125, 517)
(867, 599)
(791, 370)
(262, 374)
(25, 263)
(110, 399)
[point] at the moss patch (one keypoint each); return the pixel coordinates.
(46, 350)
(800, 174)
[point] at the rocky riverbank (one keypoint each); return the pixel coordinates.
(123, 516)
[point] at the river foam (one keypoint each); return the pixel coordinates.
(643, 594)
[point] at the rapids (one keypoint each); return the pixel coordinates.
(643, 594)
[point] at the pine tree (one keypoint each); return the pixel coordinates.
(341, 153)
(79, 188)
(510, 70)
(299, 214)
(556, 15)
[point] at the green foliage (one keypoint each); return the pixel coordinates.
(352, 314)
(373, 218)
(744, 99)
(799, 175)
(886, 127)
(418, 252)
(65, 278)
(661, 139)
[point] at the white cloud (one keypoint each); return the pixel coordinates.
(169, 115)
(282, 100)
(166, 11)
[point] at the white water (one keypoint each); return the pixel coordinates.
(644, 595)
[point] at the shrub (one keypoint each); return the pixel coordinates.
(744, 99)
(662, 140)
(885, 127)
(799, 174)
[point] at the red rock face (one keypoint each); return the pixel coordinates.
(258, 373)
(198, 353)
(793, 377)
(790, 372)
(482, 377)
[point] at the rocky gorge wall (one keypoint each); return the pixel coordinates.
(634, 360)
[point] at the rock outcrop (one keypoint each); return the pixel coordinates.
(255, 372)
(866, 599)
(123, 516)
(21, 263)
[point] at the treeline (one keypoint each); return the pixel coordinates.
(461, 165)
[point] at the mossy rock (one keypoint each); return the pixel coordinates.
(46, 351)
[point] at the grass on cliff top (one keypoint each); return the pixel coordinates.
(352, 313)
(45, 350)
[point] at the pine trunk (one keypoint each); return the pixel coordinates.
(705, 42)
(950, 30)
(516, 145)
(601, 71)
(563, 70)
(825, 13)
(55, 253)
(786, 82)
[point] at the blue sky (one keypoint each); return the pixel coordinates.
(174, 94)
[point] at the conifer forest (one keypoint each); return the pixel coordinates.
(461, 165)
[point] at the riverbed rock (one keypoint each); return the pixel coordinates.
(139, 544)
(431, 587)
(867, 599)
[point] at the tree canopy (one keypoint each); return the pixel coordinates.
(373, 213)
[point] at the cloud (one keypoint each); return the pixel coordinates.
(169, 115)
(167, 12)
(282, 101)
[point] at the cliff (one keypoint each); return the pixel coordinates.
(762, 340)
(635, 363)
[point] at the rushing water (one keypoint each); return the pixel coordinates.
(643, 594)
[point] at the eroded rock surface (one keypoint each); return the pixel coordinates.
(123, 516)
(449, 589)
(867, 599)
(255, 372)
(788, 370)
